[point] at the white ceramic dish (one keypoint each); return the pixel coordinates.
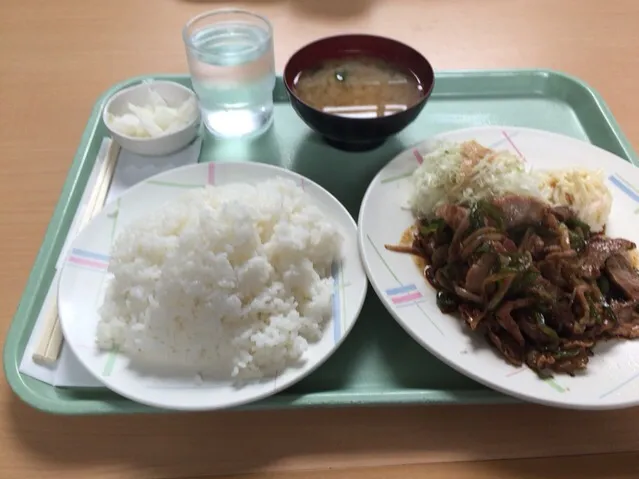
(174, 94)
(612, 377)
(83, 276)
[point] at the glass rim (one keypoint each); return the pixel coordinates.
(212, 13)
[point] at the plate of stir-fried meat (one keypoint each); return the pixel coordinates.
(510, 254)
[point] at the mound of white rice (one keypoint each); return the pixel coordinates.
(232, 279)
(463, 173)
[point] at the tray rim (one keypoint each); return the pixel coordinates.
(42, 272)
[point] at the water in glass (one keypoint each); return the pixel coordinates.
(230, 55)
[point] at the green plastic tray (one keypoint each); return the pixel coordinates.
(378, 363)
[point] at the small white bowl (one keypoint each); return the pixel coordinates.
(174, 94)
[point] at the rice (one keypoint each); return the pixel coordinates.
(466, 172)
(584, 191)
(232, 280)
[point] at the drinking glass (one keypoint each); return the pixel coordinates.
(231, 61)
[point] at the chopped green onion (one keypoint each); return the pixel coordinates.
(340, 75)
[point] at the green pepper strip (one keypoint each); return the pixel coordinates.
(431, 227)
(576, 223)
(483, 208)
(526, 280)
(604, 285)
(577, 242)
(593, 309)
(562, 354)
(547, 330)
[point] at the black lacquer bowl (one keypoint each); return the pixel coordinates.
(358, 134)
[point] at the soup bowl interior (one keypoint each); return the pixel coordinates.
(357, 133)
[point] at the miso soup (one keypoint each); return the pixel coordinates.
(359, 87)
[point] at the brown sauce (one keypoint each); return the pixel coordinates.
(407, 238)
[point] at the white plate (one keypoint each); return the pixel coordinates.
(83, 276)
(612, 377)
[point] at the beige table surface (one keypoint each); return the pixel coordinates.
(57, 56)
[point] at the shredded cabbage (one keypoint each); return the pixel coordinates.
(466, 172)
(463, 173)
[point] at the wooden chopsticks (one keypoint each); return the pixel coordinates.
(51, 338)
